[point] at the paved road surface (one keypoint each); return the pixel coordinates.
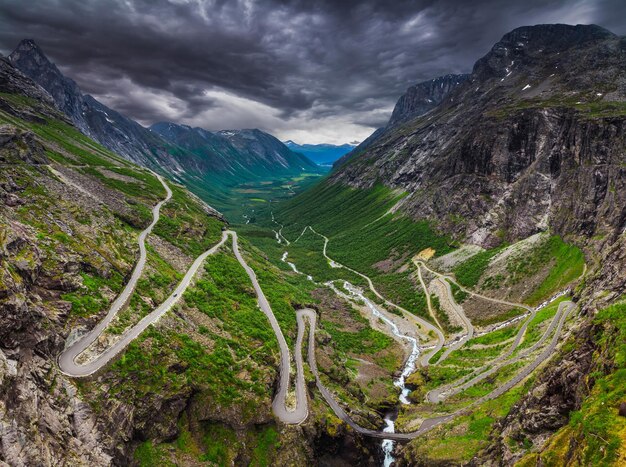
(278, 404)
(458, 310)
(428, 424)
(564, 309)
(443, 393)
(66, 359)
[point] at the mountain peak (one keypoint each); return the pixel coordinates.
(28, 49)
(528, 44)
(424, 96)
(557, 35)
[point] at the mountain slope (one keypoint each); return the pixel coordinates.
(240, 154)
(111, 129)
(209, 163)
(196, 386)
(416, 101)
(502, 149)
(533, 142)
(323, 154)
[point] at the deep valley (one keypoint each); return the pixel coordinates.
(450, 292)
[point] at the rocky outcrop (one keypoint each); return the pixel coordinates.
(31, 61)
(423, 97)
(416, 101)
(559, 390)
(20, 146)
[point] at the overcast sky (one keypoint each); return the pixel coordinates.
(324, 71)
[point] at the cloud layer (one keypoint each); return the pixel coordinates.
(322, 71)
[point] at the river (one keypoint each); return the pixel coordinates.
(409, 367)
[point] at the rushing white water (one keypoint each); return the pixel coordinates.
(388, 443)
(293, 266)
(409, 367)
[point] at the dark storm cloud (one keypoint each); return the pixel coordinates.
(305, 61)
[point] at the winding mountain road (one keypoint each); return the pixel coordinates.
(564, 309)
(67, 359)
(69, 366)
(554, 328)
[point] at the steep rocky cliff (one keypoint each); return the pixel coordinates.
(30, 60)
(416, 101)
(534, 140)
(503, 155)
(425, 96)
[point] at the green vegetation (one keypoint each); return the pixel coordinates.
(562, 263)
(539, 323)
(595, 433)
(149, 455)
(266, 443)
(307, 255)
(219, 443)
(500, 317)
(443, 317)
(158, 280)
(359, 236)
(364, 341)
(400, 288)
(567, 261)
(588, 105)
(459, 295)
(225, 293)
(144, 368)
(362, 238)
(469, 272)
(185, 224)
(90, 300)
(460, 440)
(72, 147)
(501, 335)
(214, 444)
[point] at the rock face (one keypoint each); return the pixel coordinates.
(423, 97)
(534, 138)
(416, 101)
(114, 131)
(31, 61)
(547, 407)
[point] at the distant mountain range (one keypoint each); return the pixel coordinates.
(208, 162)
(238, 155)
(322, 154)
